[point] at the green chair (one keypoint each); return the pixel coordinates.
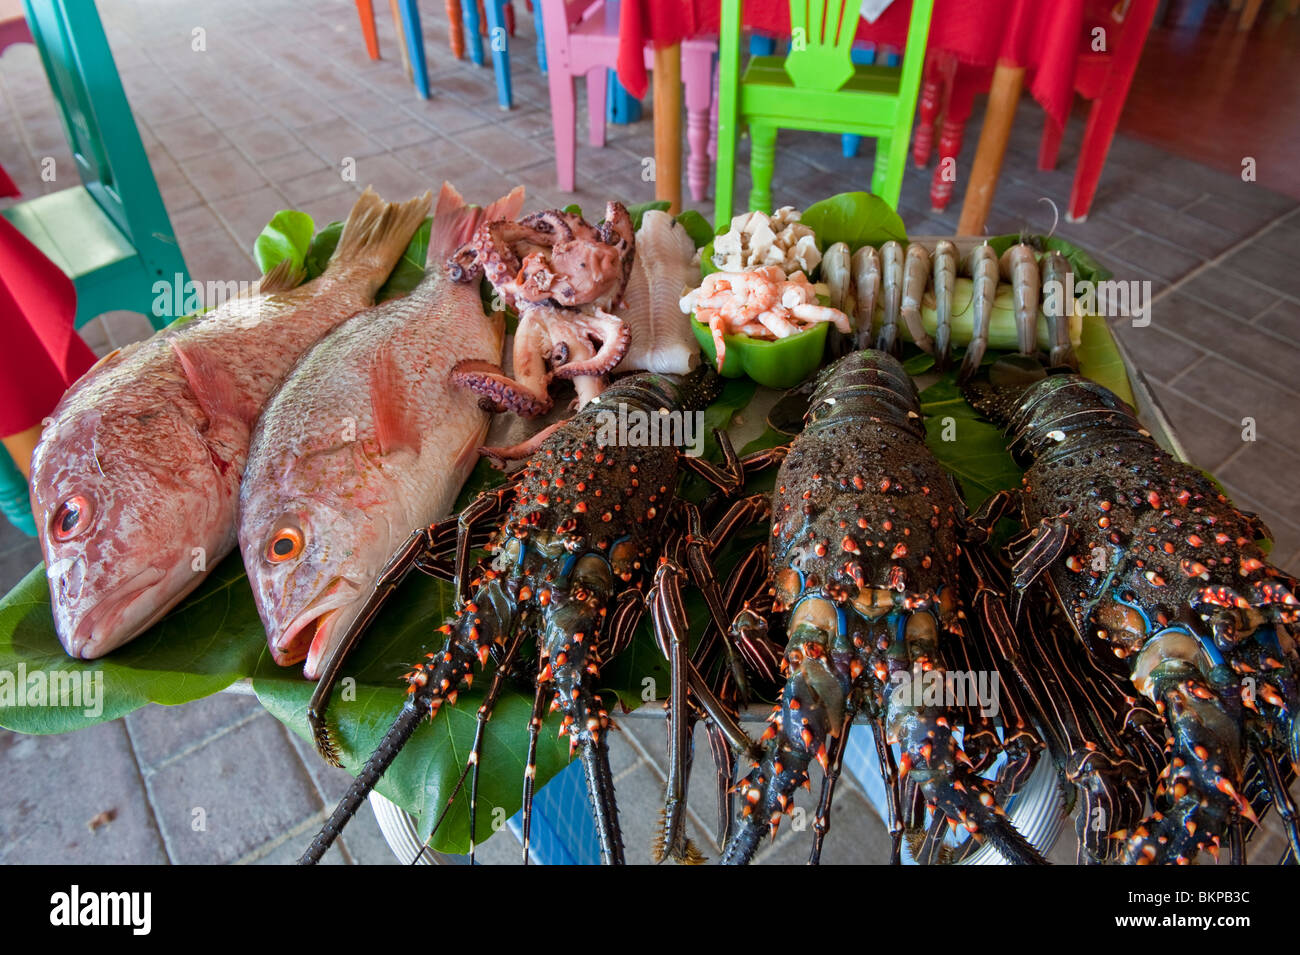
(816, 87)
(110, 234)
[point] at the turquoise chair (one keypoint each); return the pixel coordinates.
(110, 234)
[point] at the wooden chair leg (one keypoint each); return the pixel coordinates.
(456, 29)
(541, 34)
(395, 8)
(728, 112)
(697, 88)
(1248, 14)
(366, 11)
(564, 121)
(597, 86)
(499, 43)
(762, 162)
(880, 168)
(415, 46)
(472, 30)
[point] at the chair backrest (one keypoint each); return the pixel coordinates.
(821, 42)
(97, 120)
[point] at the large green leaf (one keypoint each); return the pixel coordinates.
(286, 236)
(209, 641)
(856, 218)
(1099, 358)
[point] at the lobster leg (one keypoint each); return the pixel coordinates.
(889, 773)
(669, 617)
(424, 550)
(570, 658)
(470, 638)
(1281, 794)
(730, 476)
(530, 761)
(822, 824)
(386, 582)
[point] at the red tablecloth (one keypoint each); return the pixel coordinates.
(1042, 35)
(42, 354)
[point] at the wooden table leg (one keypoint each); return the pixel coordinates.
(668, 126)
(1004, 94)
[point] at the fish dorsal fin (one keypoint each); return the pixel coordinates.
(455, 221)
(390, 402)
(284, 277)
(210, 380)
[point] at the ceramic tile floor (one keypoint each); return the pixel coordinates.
(269, 114)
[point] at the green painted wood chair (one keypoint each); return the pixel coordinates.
(111, 233)
(817, 86)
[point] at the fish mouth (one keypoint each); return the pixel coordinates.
(100, 630)
(308, 635)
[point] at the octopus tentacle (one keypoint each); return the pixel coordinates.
(609, 330)
(524, 449)
(526, 394)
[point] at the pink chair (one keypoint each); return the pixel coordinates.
(582, 40)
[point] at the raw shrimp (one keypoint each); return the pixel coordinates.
(945, 280)
(866, 283)
(916, 275)
(891, 272)
(1019, 266)
(982, 264)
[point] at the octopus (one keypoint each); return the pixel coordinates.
(561, 275)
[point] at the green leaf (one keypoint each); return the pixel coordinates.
(322, 247)
(1099, 358)
(409, 270)
(573, 209)
(697, 227)
(213, 638)
(976, 452)
(857, 218)
(638, 211)
(286, 236)
(918, 364)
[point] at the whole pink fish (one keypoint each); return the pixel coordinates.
(367, 439)
(135, 481)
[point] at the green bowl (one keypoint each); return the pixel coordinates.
(777, 364)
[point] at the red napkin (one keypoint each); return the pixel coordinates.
(43, 355)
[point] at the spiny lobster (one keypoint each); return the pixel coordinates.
(586, 522)
(865, 552)
(1163, 583)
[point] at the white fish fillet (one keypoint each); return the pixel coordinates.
(660, 335)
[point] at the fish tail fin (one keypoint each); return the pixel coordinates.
(455, 221)
(376, 234)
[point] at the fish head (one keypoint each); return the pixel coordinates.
(311, 563)
(125, 535)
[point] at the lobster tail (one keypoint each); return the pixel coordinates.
(809, 714)
(1204, 780)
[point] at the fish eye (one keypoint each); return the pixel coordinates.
(285, 544)
(72, 517)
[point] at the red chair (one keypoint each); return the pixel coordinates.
(949, 89)
(1103, 78)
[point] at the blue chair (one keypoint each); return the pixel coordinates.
(111, 234)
